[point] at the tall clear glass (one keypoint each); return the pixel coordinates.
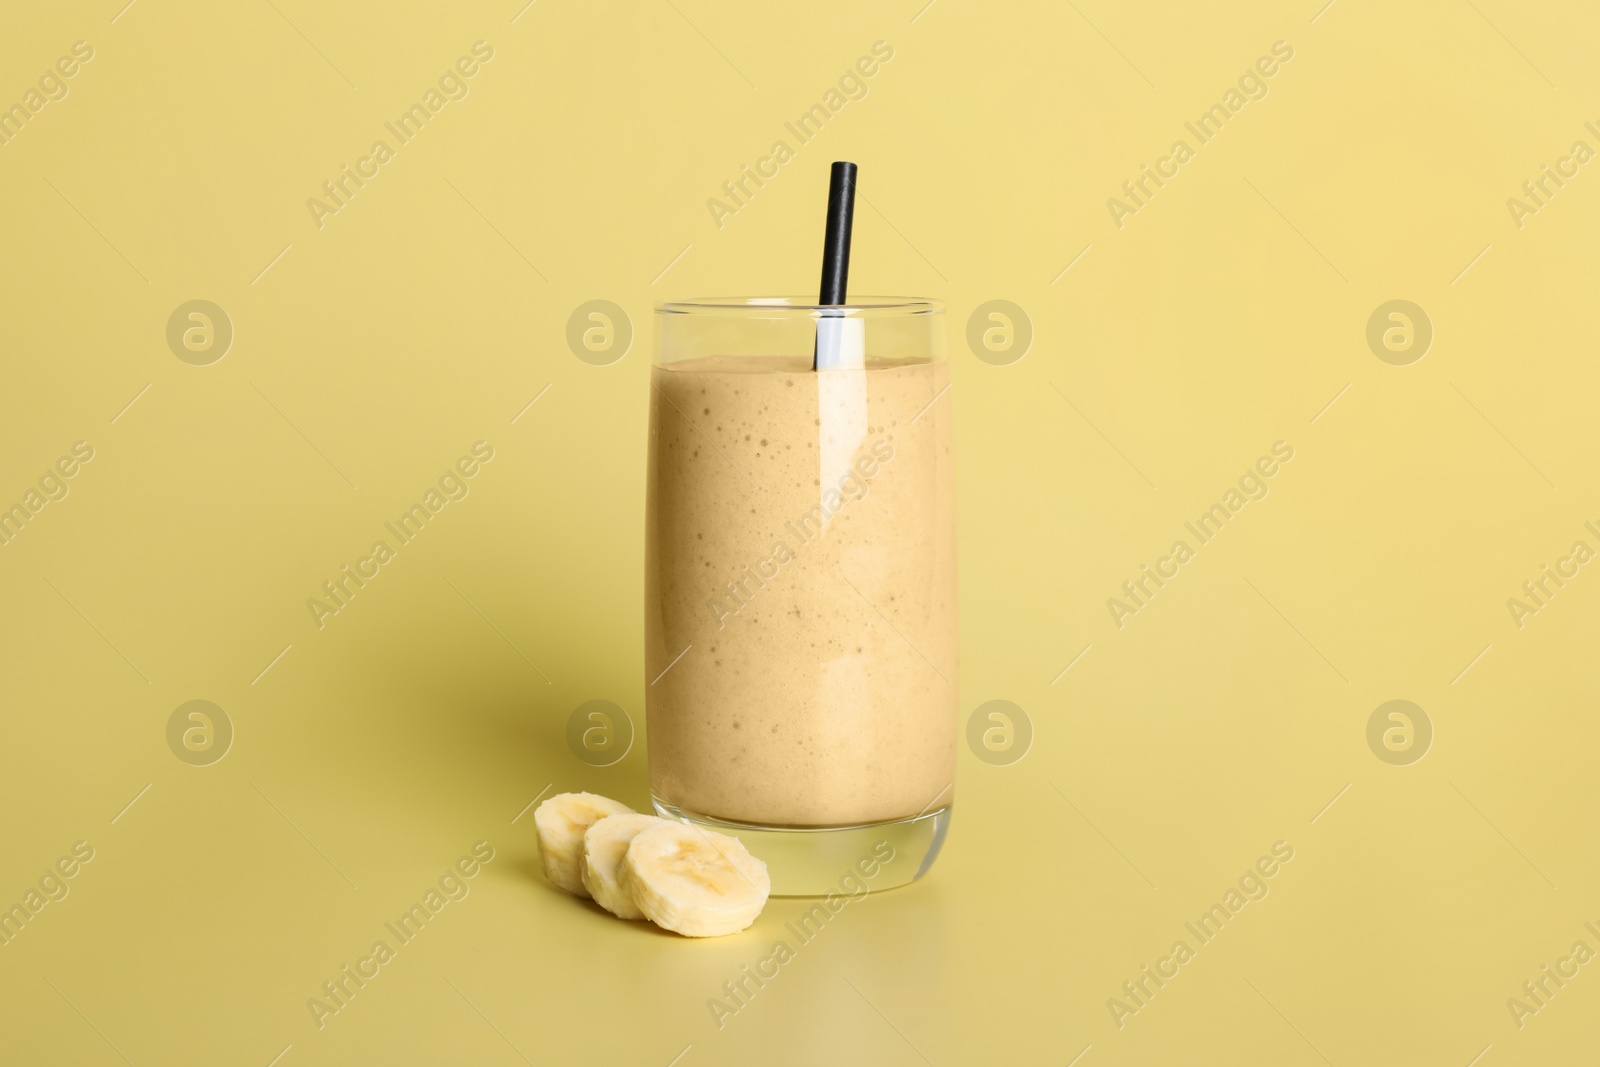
(800, 584)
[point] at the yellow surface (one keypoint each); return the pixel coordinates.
(1229, 713)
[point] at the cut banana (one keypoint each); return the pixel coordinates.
(605, 843)
(695, 882)
(560, 823)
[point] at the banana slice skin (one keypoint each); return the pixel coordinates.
(694, 882)
(560, 823)
(605, 844)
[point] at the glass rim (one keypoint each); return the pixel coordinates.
(800, 306)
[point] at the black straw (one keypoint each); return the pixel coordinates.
(836, 242)
(836, 245)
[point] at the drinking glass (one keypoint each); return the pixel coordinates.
(800, 584)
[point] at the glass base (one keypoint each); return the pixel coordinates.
(814, 861)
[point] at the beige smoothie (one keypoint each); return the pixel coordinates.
(800, 594)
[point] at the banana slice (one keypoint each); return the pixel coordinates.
(560, 823)
(695, 882)
(604, 845)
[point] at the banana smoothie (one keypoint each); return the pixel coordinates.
(800, 591)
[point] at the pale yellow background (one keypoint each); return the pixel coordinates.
(1224, 717)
